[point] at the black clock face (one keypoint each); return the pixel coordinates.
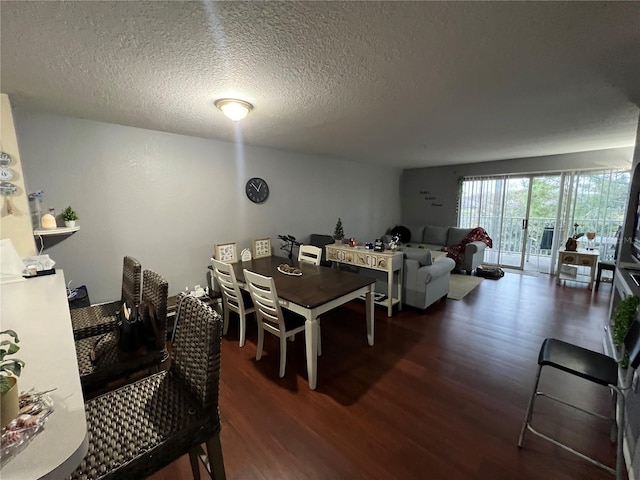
(257, 190)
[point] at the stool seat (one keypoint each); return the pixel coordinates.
(604, 265)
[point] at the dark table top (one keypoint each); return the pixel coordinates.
(316, 286)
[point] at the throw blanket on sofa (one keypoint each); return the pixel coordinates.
(478, 234)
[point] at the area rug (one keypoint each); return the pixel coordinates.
(461, 285)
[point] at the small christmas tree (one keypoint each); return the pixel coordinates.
(338, 233)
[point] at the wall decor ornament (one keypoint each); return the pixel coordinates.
(226, 252)
(262, 248)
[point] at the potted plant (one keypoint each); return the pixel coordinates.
(70, 216)
(338, 233)
(9, 371)
(625, 313)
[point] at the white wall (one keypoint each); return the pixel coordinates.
(429, 195)
(166, 199)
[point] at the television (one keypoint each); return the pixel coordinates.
(635, 245)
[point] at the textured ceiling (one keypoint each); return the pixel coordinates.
(407, 84)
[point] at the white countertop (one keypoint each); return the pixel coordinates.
(38, 311)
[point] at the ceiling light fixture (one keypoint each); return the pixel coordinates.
(233, 108)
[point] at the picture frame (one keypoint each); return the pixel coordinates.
(262, 247)
(226, 252)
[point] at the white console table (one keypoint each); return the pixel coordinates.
(388, 261)
(38, 310)
(572, 261)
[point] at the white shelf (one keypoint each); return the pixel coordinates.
(40, 232)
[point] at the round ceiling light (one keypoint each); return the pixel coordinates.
(233, 108)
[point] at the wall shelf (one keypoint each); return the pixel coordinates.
(40, 232)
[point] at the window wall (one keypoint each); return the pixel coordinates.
(529, 217)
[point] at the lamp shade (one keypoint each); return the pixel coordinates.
(235, 109)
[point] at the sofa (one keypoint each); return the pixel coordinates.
(437, 238)
(425, 279)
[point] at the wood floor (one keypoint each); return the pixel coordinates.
(441, 395)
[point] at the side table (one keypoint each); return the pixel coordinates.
(570, 261)
(387, 261)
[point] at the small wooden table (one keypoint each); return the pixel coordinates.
(570, 261)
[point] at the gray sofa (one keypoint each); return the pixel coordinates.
(424, 281)
(434, 237)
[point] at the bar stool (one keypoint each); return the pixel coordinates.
(611, 266)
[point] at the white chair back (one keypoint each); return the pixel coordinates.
(265, 299)
(310, 254)
(228, 285)
(232, 300)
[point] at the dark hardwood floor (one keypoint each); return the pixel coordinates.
(441, 395)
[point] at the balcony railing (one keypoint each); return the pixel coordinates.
(541, 234)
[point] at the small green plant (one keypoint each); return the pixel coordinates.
(11, 367)
(338, 233)
(69, 214)
(625, 314)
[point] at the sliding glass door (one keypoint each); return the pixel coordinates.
(529, 217)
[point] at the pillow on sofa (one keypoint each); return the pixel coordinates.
(435, 235)
(456, 236)
(402, 232)
(421, 255)
(417, 232)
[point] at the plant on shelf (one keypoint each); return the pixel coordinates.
(9, 371)
(70, 216)
(625, 313)
(338, 233)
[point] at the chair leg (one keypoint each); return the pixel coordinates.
(283, 355)
(619, 395)
(243, 326)
(260, 341)
(194, 452)
(225, 318)
(216, 463)
(532, 400)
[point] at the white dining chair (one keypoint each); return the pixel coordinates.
(309, 254)
(232, 298)
(271, 316)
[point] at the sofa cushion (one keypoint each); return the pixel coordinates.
(456, 236)
(417, 232)
(421, 255)
(435, 235)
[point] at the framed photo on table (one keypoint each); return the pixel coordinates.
(262, 248)
(226, 252)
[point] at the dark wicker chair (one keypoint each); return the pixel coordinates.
(101, 318)
(142, 427)
(111, 364)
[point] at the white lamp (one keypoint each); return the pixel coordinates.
(235, 109)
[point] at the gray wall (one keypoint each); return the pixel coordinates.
(166, 199)
(429, 195)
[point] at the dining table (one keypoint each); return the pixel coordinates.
(316, 291)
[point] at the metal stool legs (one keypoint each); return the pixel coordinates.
(618, 406)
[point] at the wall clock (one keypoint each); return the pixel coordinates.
(257, 190)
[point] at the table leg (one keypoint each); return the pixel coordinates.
(311, 342)
(370, 316)
(390, 293)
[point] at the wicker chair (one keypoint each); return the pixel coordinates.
(111, 364)
(101, 318)
(142, 427)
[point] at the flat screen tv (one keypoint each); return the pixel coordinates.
(635, 246)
